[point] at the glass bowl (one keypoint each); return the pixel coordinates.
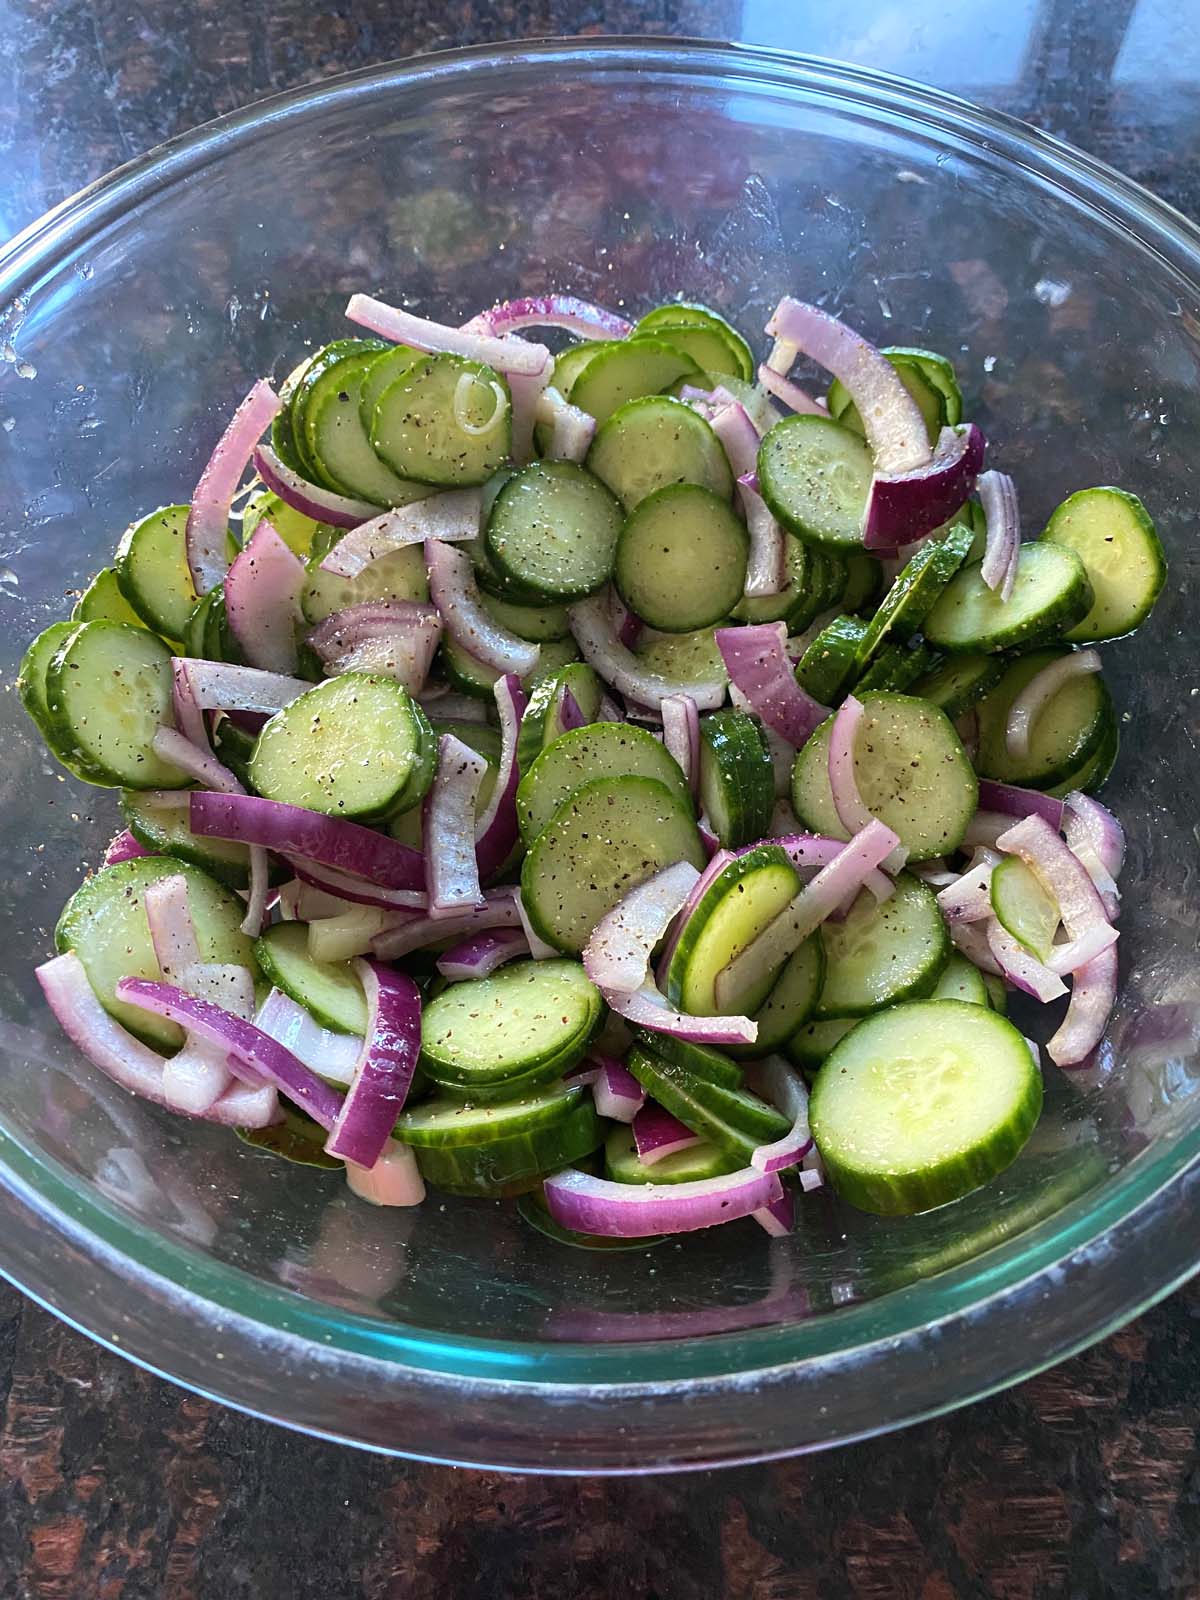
(137, 314)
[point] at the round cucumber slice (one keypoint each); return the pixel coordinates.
(625, 369)
(909, 601)
(553, 530)
(923, 1103)
(960, 980)
(681, 559)
(653, 442)
(623, 1164)
(329, 990)
(812, 1042)
(443, 1121)
(504, 1167)
(1094, 773)
(416, 429)
(399, 575)
(827, 667)
(382, 371)
(31, 675)
(701, 1060)
(815, 476)
(1050, 596)
(104, 923)
(355, 746)
(536, 623)
(799, 601)
(705, 336)
(600, 750)
(883, 952)
(735, 1121)
(102, 601)
(960, 682)
(683, 657)
(1068, 732)
(153, 572)
(525, 1024)
(912, 773)
(541, 723)
(792, 1000)
(1112, 534)
(605, 838)
(338, 445)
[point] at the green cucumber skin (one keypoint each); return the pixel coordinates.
(1121, 605)
(792, 1000)
(827, 667)
(994, 760)
(840, 529)
(701, 1060)
(735, 1121)
(334, 998)
(846, 996)
(916, 592)
(622, 1164)
(502, 1167)
(737, 778)
(949, 626)
(445, 1121)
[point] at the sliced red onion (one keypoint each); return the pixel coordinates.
(384, 1071)
(970, 940)
(817, 901)
(1093, 995)
(222, 686)
(998, 496)
(570, 715)
(572, 430)
(766, 569)
(354, 932)
(657, 1134)
(394, 1180)
(717, 861)
(564, 311)
(1020, 968)
(355, 891)
(791, 394)
(208, 519)
(496, 831)
(527, 391)
(262, 600)
(620, 668)
(617, 1093)
(1059, 870)
(301, 902)
(251, 1045)
(1041, 688)
(1012, 801)
(818, 850)
(778, 1218)
(124, 847)
(170, 745)
(295, 831)
(758, 665)
(969, 898)
(708, 838)
(1075, 953)
(783, 357)
(394, 637)
(1096, 837)
(904, 505)
(447, 518)
(482, 954)
(172, 932)
(126, 1060)
(843, 784)
(646, 1008)
(681, 735)
(508, 355)
(617, 956)
(451, 874)
(330, 1055)
(189, 718)
(498, 909)
(585, 1204)
(739, 438)
(608, 710)
(454, 592)
(890, 416)
(984, 828)
(538, 948)
(310, 499)
(785, 1089)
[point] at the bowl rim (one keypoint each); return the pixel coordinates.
(726, 1397)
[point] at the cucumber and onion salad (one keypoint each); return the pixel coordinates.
(573, 773)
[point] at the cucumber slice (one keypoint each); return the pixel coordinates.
(1051, 595)
(653, 442)
(683, 657)
(600, 750)
(626, 369)
(553, 530)
(234, 747)
(104, 923)
(883, 952)
(915, 369)
(152, 571)
(1094, 773)
(912, 773)
(472, 677)
(915, 592)
(681, 559)
(997, 993)
(328, 990)
(444, 1121)
(307, 378)
(1068, 731)
(382, 371)
(811, 1043)
(569, 363)
(703, 335)
(355, 746)
(744, 897)
(799, 601)
(103, 601)
(542, 724)
(815, 476)
(940, 373)
(416, 429)
(735, 1121)
(477, 736)
(108, 691)
(539, 624)
(623, 1164)
(864, 580)
(399, 575)
(896, 667)
(503, 1167)
(605, 839)
(714, 1066)
(827, 668)
(737, 778)
(283, 440)
(919, 1106)
(960, 682)
(792, 1000)
(340, 447)
(830, 573)
(1023, 907)
(164, 831)
(1111, 533)
(524, 1025)
(296, 530)
(960, 980)
(31, 674)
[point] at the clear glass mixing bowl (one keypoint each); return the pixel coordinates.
(136, 315)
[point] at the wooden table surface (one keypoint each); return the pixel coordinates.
(115, 1485)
